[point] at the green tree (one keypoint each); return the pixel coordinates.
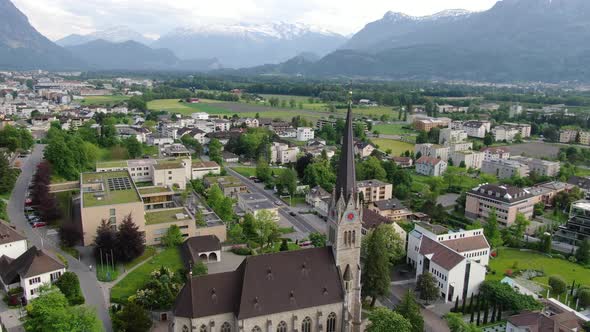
(383, 320)
(287, 181)
(69, 285)
(173, 237)
(410, 310)
(320, 173)
(427, 287)
(137, 103)
(545, 244)
(492, 230)
(134, 147)
(539, 209)
(130, 241)
(318, 240)
(263, 172)
(200, 269)
(583, 252)
(215, 197)
(132, 318)
(284, 245)
(394, 245)
(520, 225)
(488, 139)
(376, 275)
(557, 283)
(371, 169)
(457, 324)
(215, 151)
(265, 228)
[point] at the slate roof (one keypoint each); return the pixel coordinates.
(9, 235)
(428, 160)
(372, 219)
(31, 263)
(441, 254)
(505, 193)
(264, 285)
(467, 243)
(198, 244)
(389, 204)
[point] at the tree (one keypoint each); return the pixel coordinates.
(134, 148)
(539, 209)
(137, 103)
(583, 252)
(215, 151)
(130, 242)
(266, 228)
(173, 237)
(200, 269)
(69, 234)
(105, 241)
(520, 225)
(492, 230)
(287, 181)
(318, 240)
(506, 297)
(410, 310)
(51, 312)
(284, 245)
(263, 172)
(383, 320)
(371, 169)
(394, 246)
(132, 318)
(69, 285)
(457, 324)
(192, 143)
(557, 283)
(488, 139)
(545, 244)
(215, 197)
(320, 173)
(427, 287)
(376, 275)
(302, 163)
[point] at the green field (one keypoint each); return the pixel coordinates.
(104, 100)
(397, 147)
(460, 179)
(525, 260)
(393, 129)
(175, 106)
(140, 276)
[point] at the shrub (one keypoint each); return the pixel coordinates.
(557, 284)
(242, 251)
(69, 285)
(584, 297)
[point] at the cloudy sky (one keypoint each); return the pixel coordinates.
(58, 18)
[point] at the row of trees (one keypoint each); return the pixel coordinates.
(125, 244)
(46, 202)
(16, 138)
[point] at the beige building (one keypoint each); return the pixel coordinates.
(450, 136)
(392, 209)
(230, 185)
(281, 153)
(254, 203)
(430, 166)
(472, 159)
(200, 169)
(426, 124)
(491, 153)
(504, 168)
(539, 166)
(161, 172)
(505, 133)
(433, 150)
(568, 136)
(507, 201)
(523, 128)
(374, 190)
(460, 147)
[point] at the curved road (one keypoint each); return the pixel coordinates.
(91, 288)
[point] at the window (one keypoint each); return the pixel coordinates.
(331, 323)
(35, 280)
(55, 275)
(225, 327)
(33, 291)
(305, 325)
(256, 329)
(282, 327)
(112, 212)
(203, 328)
(185, 328)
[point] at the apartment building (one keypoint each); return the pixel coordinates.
(471, 159)
(392, 209)
(432, 150)
(504, 168)
(493, 153)
(539, 166)
(255, 203)
(281, 153)
(464, 146)
(577, 228)
(430, 166)
(457, 260)
(506, 200)
(568, 136)
(426, 124)
(161, 172)
(230, 185)
(477, 129)
(523, 128)
(504, 133)
(304, 134)
(450, 136)
(374, 190)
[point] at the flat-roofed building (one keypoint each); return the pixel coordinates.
(255, 203)
(451, 136)
(505, 133)
(504, 168)
(426, 124)
(282, 153)
(523, 128)
(492, 153)
(433, 150)
(477, 129)
(374, 190)
(506, 200)
(472, 159)
(577, 228)
(230, 185)
(539, 166)
(200, 169)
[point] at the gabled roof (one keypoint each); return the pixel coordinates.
(372, 219)
(441, 254)
(9, 235)
(195, 245)
(389, 204)
(467, 243)
(428, 160)
(265, 284)
(32, 262)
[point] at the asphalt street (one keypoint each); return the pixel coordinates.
(90, 286)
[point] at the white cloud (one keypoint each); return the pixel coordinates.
(58, 18)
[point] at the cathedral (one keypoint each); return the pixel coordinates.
(307, 290)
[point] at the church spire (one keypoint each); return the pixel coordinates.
(346, 179)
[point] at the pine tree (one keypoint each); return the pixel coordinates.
(464, 303)
(130, 242)
(494, 305)
(105, 240)
(427, 287)
(492, 230)
(478, 311)
(376, 275)
(485, 312)
(410, 310)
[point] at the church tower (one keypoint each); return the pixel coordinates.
(344, 226)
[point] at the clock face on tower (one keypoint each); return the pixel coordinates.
(351, 216)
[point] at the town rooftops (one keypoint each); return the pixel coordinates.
(265, 284)
(32, 262)
(372, 219)
(163, 216)
(204, 164)
(428, 160)
(433, 228)
(496, 150)
(168, 164)
(370, 183)
(107, 188)
(389, 204)
(504, 193)
(473, 124)
(9, 235)
(582, 182)
(226, 181)
(541, 322)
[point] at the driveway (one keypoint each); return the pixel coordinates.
(88, 282)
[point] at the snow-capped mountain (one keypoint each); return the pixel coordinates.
(117, 34)
(242, 45)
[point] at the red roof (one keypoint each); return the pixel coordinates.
(428, 160)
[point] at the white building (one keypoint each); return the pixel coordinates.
(200, 116)
(281, 153)
(433, 150)
(504, 168)
(493, 153)
(505, 133)
(305, 134)
(254, 203)
(476, 128)
(12, 244)
(449, 136)
(472, 159)
(457, 260)
(200, 169)
(430, 166)
(31, 270)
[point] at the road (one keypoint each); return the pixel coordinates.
(90, 286)
(297, 221)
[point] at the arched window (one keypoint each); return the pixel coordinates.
(203, 328)
(282, 327)
(225, 327)
(353, 237)
(256, 329)
(306, 325)
(185, 328)
(331, 323)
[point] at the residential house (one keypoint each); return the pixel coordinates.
(363, 149)
(319, 199)
(504, 168)
(374, 190)
(555, 316)
(430, 166)
(493, 153)
(305, 134)
(392, 209)
(403, 162)
(12, 243)
(205, 249)
(229, 157)
(432, 150)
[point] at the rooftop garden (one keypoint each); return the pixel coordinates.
(165, 216)
(153, 190)
(111, 164)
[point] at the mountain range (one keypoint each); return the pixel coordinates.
(117, 34)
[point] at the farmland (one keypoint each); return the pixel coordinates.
(177, 106)
(393, 129)
(103, 100)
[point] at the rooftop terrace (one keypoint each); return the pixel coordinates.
(108, 188)
(165, 216)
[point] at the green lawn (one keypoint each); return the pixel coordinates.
(174, 106)
(461, 179)
(536, 261)
(162, 217)
(106, 273)
(129, 285)
(148, 253)
(397, 147)
(104, 100)
(393, 129)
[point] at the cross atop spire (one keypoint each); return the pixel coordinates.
(346, 178)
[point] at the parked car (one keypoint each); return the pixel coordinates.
(28, 201)
(29, 209)
(279, 203)
(39, 224)
(292, 213)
